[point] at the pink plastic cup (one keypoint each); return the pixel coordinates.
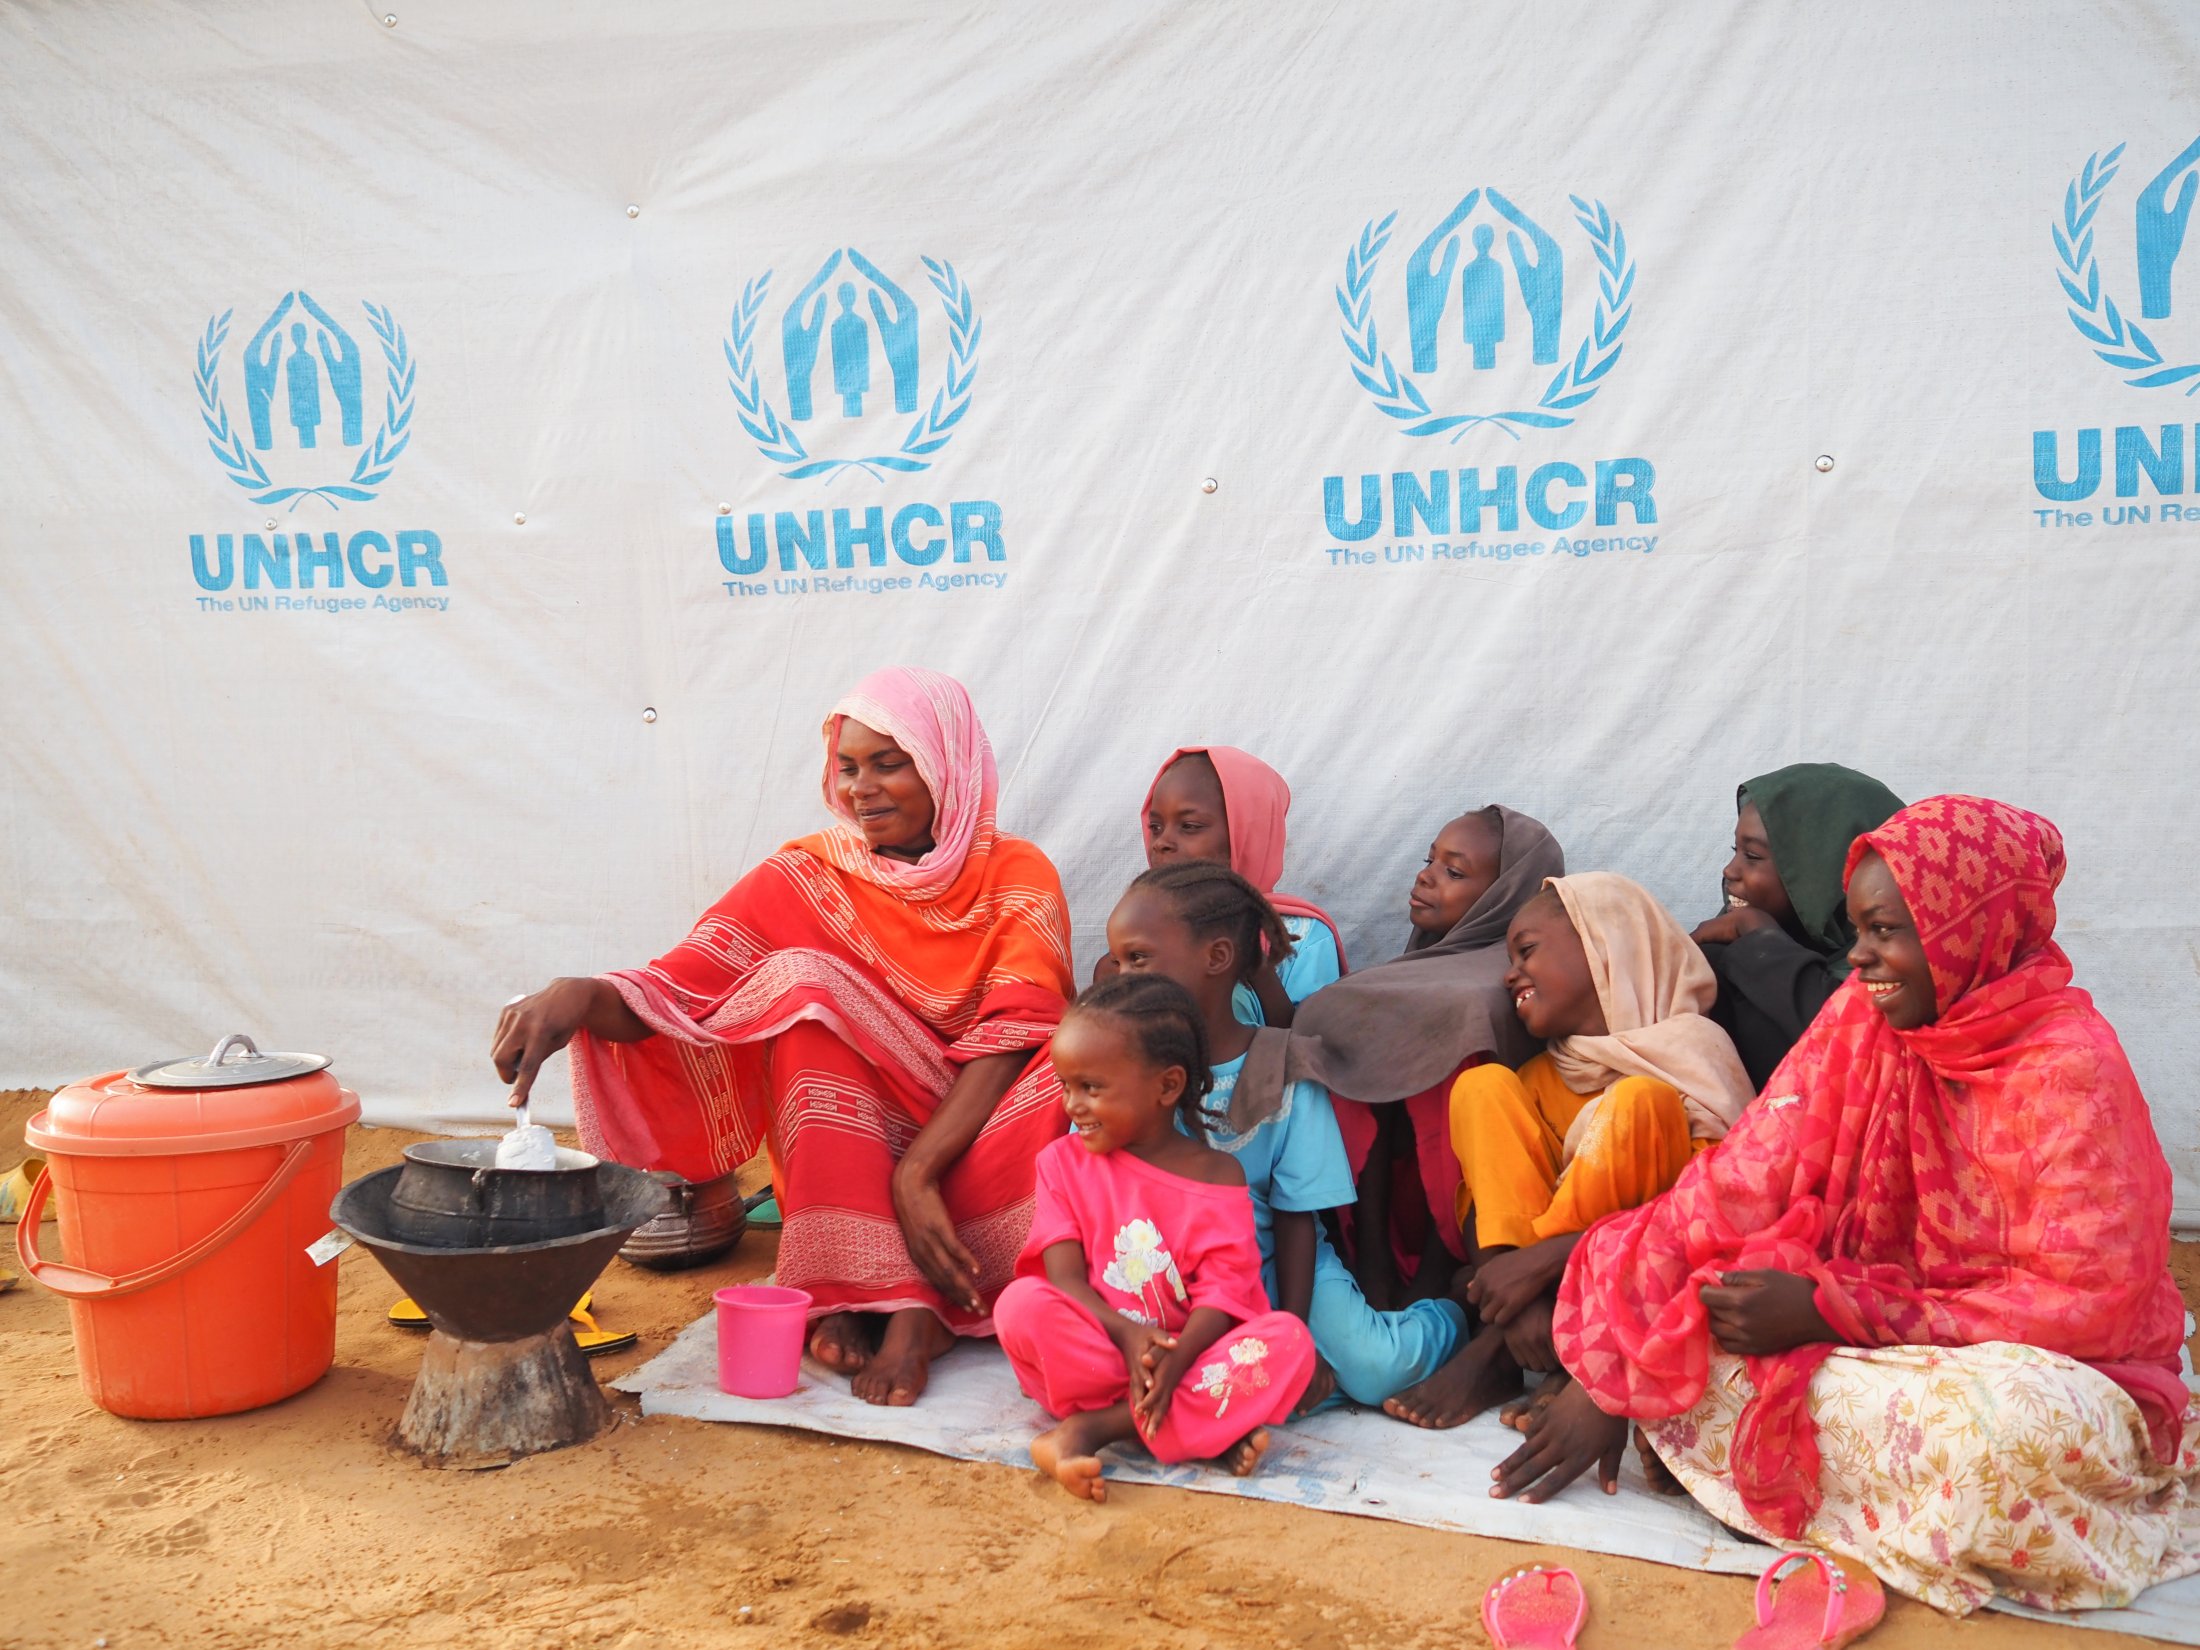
(760, 1330)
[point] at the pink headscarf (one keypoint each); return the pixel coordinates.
(1256, 800)
(930, 716)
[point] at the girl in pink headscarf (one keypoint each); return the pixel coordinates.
(1220, 803)
(1916, 1308)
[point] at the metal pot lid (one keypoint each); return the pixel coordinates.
(227, 1068)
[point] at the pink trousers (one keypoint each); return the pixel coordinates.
(1064, 1360)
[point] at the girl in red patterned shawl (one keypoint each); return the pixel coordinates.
(873, 1001)
(1916, 1309)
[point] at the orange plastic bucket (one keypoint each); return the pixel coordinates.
(191, 1192)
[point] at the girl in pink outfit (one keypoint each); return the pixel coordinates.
(1137, 1309)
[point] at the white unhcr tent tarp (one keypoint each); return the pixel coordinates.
(451, 463)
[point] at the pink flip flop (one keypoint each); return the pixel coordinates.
(1522, 1615)
(1805, 1600)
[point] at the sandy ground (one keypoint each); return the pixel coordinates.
(299, 1525)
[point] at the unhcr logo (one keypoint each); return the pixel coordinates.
(304, 383)
(846, 319)
(2158, 226)
(308, 386)
(2102, 249)
(1455, 283)
(1498, 321)
(867, 387)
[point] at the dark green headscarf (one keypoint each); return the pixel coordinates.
(1812, 812)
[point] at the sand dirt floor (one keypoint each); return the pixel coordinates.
(299, 1525)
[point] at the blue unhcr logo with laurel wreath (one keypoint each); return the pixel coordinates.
(306, 396)
(2159, 229)
(312, 381)
(1459, 304)
(2157, 241)
(850, 355)
(2098, 253)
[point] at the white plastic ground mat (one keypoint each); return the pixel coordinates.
(1346, 1460)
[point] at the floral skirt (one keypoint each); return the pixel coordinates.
(1957, 1473)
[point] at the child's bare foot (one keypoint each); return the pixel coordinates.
(1520, 1414)
(1479, 1374)
(842, 1341)
(1242, 1457)
(1662, 1481)
(1069, 1451)
(897, 1372)
(1317, 1391)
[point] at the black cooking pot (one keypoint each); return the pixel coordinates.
(452, 1195)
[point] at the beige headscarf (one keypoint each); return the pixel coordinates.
(1654, 986)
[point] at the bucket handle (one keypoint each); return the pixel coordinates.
(80, 1283)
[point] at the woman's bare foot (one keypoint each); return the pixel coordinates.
(1479, 1374)
(1520, 1414)
(1662, 1481)
(1242, 1457)
(842, 1341)
(897, 1372)
(1069, 1451)
(1317, 1391)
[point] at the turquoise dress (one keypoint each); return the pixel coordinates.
(1314, 962)
(1296, 1161)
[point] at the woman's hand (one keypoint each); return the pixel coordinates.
(1564, 1441)
(531, 1029)
(1731, 924)
(1756, 1314)
(930, 1234)
(1505, 1283)
(939, 1145)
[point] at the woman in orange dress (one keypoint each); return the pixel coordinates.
(873, 1002)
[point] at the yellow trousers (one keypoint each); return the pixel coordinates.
(1508, 1129)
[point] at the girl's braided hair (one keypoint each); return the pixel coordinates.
(1164, 1022)
(1213, 899)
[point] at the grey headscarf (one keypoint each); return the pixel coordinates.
(1402, 1026)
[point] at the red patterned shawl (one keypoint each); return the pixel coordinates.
(1994, 1176)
